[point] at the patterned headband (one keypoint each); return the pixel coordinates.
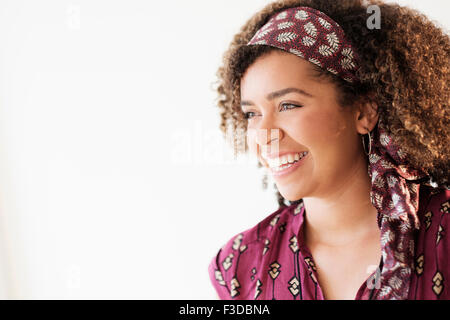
(313, 36)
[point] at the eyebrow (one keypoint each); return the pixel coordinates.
(278, 94)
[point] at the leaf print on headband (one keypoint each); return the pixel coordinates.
(310, 29)
(286, 37)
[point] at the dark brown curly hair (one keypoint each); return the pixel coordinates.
(404, 69)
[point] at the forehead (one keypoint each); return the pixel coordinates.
(277, 70)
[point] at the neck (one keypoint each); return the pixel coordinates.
(345, 214)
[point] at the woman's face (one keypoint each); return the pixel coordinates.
(292, 113)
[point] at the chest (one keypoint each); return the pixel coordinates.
(341, 272)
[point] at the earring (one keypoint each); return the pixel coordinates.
(364, 143)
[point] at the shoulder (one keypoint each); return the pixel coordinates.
(434, 200)
(434, 215)
(432, 245)
(261, 231)
(231, 269)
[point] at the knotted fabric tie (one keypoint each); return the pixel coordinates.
(395, 195)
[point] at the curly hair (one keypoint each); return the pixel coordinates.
(404, 70)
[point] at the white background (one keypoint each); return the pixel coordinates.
(115, 180)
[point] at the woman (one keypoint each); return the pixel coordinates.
(327, 103)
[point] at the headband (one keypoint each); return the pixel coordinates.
(315, 37)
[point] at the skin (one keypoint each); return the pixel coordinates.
(340, 228)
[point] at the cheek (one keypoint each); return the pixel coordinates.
(307, 130)
(318, 129)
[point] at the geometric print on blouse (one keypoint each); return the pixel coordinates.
(268, 262)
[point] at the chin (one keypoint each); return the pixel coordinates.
(290, 194)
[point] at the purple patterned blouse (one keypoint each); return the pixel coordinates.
(271, 261)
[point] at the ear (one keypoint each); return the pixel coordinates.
(366, 116)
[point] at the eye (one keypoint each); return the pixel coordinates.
(284, 107)
(249, 115)
(288, 106)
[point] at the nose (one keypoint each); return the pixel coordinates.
(266, 136)
(267, 132)
(268, 139)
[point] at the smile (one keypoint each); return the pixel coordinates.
(286, 163)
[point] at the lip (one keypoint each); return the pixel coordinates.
(289, 170)
(279, 154)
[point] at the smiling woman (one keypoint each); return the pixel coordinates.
(326, 104)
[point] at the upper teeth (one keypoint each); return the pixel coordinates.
(289, 158)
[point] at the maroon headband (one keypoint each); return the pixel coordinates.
(313, 36)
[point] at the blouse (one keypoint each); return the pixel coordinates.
(271, 261)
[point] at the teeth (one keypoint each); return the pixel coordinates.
(290, 158)
(285, 161)
(282, 168)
